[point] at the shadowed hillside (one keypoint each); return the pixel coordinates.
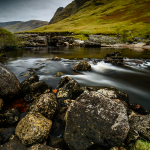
(129, 18)
(3, 24)
(25, 26)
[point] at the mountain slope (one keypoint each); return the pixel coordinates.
(129, 18)
(25, 26)
(3, 24)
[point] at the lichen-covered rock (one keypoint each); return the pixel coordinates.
(9, 84)
(33, 128)
(25, 85)
(82, 66)
(68, 88)
(46, 104)
(35, 90)
(66, 103)
(114, 58)
(42, 147)
(95, 119)
(11, 116)
(13, 144)
(141, 125)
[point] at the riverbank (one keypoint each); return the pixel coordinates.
(70, 114)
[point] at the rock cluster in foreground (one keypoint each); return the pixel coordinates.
(73, 118)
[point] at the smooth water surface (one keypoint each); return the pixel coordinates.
(133, 78)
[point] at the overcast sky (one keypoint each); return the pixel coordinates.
(24, 10)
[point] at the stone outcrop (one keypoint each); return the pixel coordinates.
(46, 104)
(33, 128)
(114, 58)
(33, 40)
(95, 119)
(82, 66)
(9, 84)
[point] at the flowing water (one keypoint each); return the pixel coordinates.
(133, 78)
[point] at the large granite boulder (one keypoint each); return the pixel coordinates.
(46, 104)
(33, 128)
(82, 66)
(9, 84)
(114, 58)
(68, 88)
(94, 119)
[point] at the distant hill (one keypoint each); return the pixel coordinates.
(25, 26)
(129, 18)
(3, 24)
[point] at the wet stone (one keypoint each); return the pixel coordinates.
(33, 128)
(42, 147)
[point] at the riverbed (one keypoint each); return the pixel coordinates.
(133, 78)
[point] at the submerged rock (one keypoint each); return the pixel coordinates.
(46, 104)
(9, 84)
(33, 128)
(114, 58)
(82, 66)
(95, 119)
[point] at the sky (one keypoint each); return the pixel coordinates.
(25, 10)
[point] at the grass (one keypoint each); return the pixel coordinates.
(141, 145)
(7, 39)
(130, 17)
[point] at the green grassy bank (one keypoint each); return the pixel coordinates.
(130, 18)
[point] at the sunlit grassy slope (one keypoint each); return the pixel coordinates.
(128, 17)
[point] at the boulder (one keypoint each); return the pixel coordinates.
(66, 103)
(93, 119)
(25, 85)
(68, 88)
(33, 128)
(89, 43)
(114, 58)
(35, 90)
(5, 134)
(78, 43)
(13, 144)
(46, 104)
(82, 66)
(141, 125)
(42, 147)
(11, 116)
(10, 86)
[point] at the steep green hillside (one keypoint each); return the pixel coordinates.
(25, 26)
(129, 18)
(7, 39)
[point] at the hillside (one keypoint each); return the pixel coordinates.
(129, 18)
(3, 24)
(25, 26)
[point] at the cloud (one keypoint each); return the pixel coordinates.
(24, 10)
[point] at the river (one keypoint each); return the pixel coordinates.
(133, 78)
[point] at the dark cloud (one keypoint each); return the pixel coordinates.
(24, 10)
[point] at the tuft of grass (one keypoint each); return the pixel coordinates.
(7, 39)
(141, 145)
